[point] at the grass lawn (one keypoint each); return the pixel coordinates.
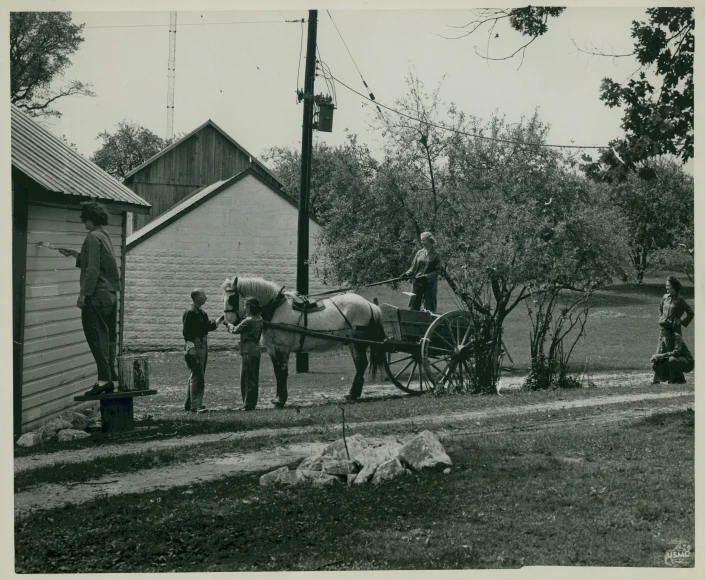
(621, 334)
(592, 496)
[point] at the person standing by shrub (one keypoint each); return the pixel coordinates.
(99, 283)
(673, 306)
(250, 331)
(196, 327)
(672, 358)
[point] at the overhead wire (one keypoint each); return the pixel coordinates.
(475, 135)
(301, 48)
(195, 24)
(371, 94)
(327, 76)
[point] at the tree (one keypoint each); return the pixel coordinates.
(40, 46)
(326, 161)
(128, 147)
(658, 213)
(503, 212)
(657, 120)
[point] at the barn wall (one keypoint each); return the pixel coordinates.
(200, 160)
(57, 361)
(247, 229)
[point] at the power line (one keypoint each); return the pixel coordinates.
(197, 24)
(345, 43)
(464, 132)
(327, 75)
(301, 47)
(371, 97)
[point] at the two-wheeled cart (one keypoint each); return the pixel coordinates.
(424, 351)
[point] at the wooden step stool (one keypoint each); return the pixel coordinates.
(116, 409)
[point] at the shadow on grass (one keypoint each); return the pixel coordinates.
(684, 420)
(649, 289)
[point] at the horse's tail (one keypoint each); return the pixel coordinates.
(378, 354)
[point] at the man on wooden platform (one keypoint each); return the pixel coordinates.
(100, 282)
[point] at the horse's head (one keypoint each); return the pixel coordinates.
(234, 314)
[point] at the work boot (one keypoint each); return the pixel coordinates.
(97, 389)
(278, 403)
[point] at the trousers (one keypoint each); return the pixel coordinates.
(197, 381)
(425, 290)
(249, 379)
(99, 321)
(672, 369)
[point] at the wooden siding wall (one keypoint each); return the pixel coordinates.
(57, 361)
(201, 160)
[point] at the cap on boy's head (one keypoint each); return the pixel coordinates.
(666, 325)
(196, 293)
(254, 304)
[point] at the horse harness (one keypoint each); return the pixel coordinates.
(299, 303)
(303, 305)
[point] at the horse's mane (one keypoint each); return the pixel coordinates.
(260, 288)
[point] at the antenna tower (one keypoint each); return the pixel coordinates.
(171, 75)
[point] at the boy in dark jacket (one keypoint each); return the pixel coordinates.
(197, 325)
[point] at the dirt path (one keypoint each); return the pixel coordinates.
(451, 425)
(433, 421)
(81, 455)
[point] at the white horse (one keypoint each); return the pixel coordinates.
(347, 315)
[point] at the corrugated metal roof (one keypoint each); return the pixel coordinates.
(58, 168)
(254, 160)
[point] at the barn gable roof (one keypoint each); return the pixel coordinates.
(254, 161)
(197, 198)
(58, 168)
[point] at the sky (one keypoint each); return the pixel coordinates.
(240, 69)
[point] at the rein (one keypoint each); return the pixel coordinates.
(337, 290)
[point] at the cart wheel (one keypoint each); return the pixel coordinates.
(447, 353)
(404, 370)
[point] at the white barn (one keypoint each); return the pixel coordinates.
(244, 225)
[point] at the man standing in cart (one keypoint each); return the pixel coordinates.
(424, 273)
(100, 282)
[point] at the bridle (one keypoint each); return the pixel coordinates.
(232, 303)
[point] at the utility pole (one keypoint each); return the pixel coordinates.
(306, 150)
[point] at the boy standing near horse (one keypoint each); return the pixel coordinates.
(250, 331)
(196, 327)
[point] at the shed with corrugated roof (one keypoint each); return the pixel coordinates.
(52, 361)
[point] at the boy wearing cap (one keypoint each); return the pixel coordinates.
(196, 327)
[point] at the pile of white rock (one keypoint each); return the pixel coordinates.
(362, 463)
(68, 426)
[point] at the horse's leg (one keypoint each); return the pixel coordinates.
(280, 361)
(359, 354)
